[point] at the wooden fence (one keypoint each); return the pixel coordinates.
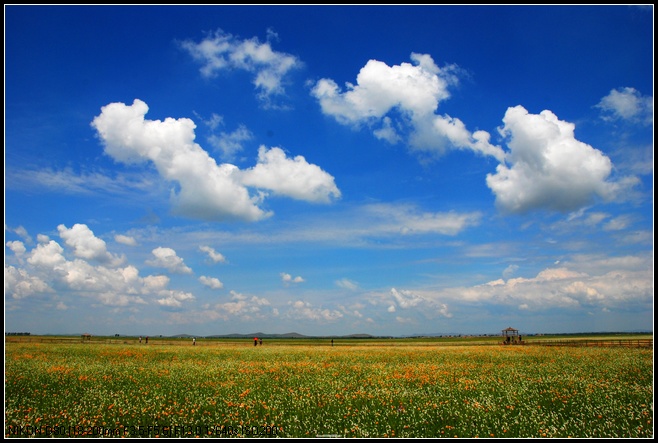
(627, 343)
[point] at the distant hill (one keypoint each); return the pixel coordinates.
(293, 335)
(287, 335)
(259, 335)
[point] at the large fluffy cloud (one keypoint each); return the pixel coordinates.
(20, 284)
(414, 91)
(290, 177)
(548, 168)
(206, 190)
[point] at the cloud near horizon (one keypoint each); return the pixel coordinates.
(582, 282)
(47, 270)
(619, 285)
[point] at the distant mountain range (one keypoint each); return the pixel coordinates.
(287, 335)
(293, 335)
(445, 334)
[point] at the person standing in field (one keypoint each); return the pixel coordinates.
(147, 339)
(140, 339)
(193, 341)
(260, 341)
(255, 341)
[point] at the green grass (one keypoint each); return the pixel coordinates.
(307, 388)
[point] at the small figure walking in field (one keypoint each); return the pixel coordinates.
(260, 341)
(140, 339)
(193, 341)
(147, 339)
(332, 342)
(255, 341)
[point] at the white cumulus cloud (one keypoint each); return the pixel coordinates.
(294, 178)
(49, 269)
(167, 258)
(548, 168)
(206, 190)
(414, 91)
(86, 245)
(20, 284)
(17, 247)
(211, 282)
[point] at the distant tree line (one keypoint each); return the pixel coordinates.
(17, 333)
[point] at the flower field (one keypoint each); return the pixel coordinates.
(280, 390)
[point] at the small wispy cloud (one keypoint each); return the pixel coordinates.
(287, 278)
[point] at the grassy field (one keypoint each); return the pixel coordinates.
(308, 388)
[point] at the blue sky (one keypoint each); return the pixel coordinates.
(389, 170)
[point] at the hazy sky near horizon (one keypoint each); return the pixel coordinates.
(389, 170)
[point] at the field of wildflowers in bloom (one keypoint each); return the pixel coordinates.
(235, 389)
